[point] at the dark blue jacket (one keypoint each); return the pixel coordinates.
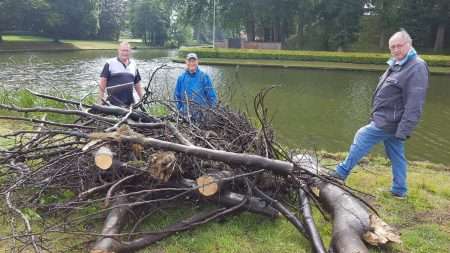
(194, 90)
(398, 100)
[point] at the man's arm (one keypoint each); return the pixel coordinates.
(137, 84)
(177, 95)
(210, 91)
(103, 82)
(139, 91)
(101, 90)
(414, 97)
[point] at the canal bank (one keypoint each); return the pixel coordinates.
(328, 60)
(304, 65)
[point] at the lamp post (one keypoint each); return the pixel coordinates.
(214, 24)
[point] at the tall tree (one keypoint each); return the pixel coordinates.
(387, 18)
(111, 19)
(340, 19)
(150, 21)
(23, 15)
(73, 18)
(440, 23)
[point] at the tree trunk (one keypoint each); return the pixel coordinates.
(113, 224)
(382, 40)
(250, 28)
(350, 219)
(284, 34)
(440, 37)
(300, 29)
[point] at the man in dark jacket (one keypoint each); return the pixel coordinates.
(396, 109)
(194, 91)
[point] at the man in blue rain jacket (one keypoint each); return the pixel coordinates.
(194, 91)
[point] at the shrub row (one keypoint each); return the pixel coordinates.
(347, 57)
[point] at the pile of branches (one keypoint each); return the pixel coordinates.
(124, 164)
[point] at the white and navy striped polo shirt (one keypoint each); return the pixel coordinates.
(121, 79)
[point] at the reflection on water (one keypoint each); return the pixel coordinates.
(310, 108)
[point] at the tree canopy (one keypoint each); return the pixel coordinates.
(297, 24)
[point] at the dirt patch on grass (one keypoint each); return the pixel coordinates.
(440, 217)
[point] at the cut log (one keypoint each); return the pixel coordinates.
(104, 158)
(113, 224)
(229, 199)
(212, 183)
(353, 222)
(161, 165)
(350, 219)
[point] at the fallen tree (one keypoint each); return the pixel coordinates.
(123, 163)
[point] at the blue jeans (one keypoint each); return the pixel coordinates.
(365, 138)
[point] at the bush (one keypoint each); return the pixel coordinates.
(347, 57)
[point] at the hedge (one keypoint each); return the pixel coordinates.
(347, 57)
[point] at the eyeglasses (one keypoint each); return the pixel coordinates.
(396, 46)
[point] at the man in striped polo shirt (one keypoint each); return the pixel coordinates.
(119, 76)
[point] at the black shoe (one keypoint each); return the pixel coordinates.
(336, 176)
(398, 196)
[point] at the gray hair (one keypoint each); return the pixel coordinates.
(403, 35)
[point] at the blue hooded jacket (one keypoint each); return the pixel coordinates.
(194, 90)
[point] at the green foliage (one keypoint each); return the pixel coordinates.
(158, 110)
(150, 20)
(31, 214)
(23, 98)
(349, 57)
(57, 197)
(112, 16)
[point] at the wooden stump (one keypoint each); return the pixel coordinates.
(161, 165)
(212, 183)
(104, 158)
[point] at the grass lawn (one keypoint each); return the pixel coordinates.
(13, 43)
(26, 38)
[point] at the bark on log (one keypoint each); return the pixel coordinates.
(254, 205)
(113, 224)
(310, 225)
(119, 111)
(350, 219)
(353, 221)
